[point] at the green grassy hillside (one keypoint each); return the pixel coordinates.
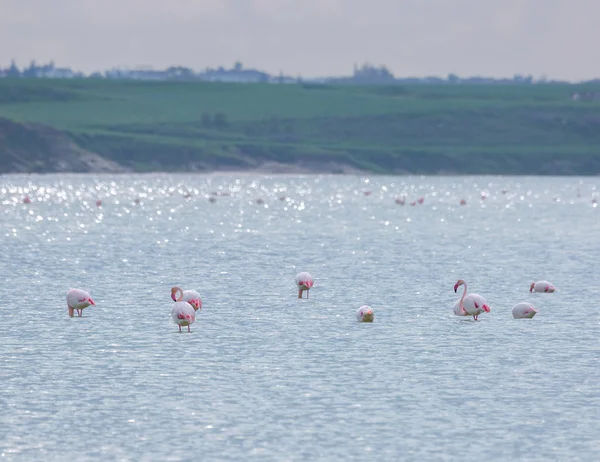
(415, 128)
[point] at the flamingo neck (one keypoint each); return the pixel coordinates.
(462, 307)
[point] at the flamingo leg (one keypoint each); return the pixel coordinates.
(71, 311)
(189, 328)
(307, 292)
(299, 293)
(179, 328)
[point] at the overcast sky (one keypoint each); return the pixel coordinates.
(312, 38)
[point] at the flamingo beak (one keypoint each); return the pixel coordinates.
(486, 308)
(173, 296)
(91, 301)
(455, 287)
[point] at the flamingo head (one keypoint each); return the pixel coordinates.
(174, 291)
(368, 316)
(550, 289)
(459, 283)
(531, 287)
(486, 308)
(91, 301)
(531, 312)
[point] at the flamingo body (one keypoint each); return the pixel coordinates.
(542, 286)
(365, 314)
(78, 299)
(183, 314)
(304, 281)
(524, 310)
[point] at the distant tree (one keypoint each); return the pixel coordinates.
(237, 67)
(220, 120)
(453, 78)
(31, 71)
(13, 70)
(206, 120)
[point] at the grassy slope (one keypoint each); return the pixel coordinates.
(420, 128)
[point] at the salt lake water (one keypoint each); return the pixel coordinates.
(266, 376)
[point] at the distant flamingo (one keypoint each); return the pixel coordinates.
(469, 305)
(542, 286)
(524, 310)
(26, 200)
(98, 203)
(400, 200)
(190, 296)
(183, 314)
(304, 281)
(78, 299)
(420, 200)
(365, 314)
(463, 202)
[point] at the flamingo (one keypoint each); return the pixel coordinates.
(524, 310)
(365, 314)
(304, 281)
(183, 314)
(78, 299)
(190, 296)
(469, 305)
(541, 286)
(400, 200)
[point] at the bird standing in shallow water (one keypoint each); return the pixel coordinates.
(183, 314)
(541, 286)
(469, 305)
(365, 314)
(524, 310)
(78, 299)
(304, 281)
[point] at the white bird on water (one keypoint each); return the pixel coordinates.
(183, 313)
(541, 286)
(365, 314)
(304, 281)
(524, 310)
(469, 305)
(78, 299)
(190, 296)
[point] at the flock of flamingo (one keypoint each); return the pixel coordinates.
(187, 302)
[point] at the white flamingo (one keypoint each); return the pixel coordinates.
(304, 281)
(78, 299)
(524, 310)
(190, 296)
(541, 286)
(183, 314)
(469, 305)
(365, 314)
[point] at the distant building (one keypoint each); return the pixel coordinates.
(585, 96)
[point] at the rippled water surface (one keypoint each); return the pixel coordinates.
(266, 376)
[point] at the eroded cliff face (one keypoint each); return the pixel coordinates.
(28, 147)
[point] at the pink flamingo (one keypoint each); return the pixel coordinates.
(469, 305)
(98, 203)
(304, 281)
(365, 314)
(463, 202)
(190, 296)
(26, 200)
(420, 200)
(78, 299)
(541, 286)
(183, 314)
(524, 310)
